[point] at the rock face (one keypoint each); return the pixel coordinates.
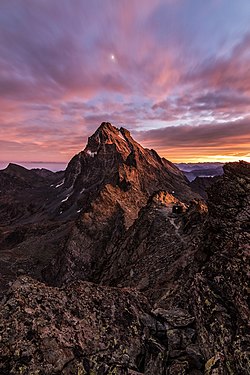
(26, 194)
(158, 250)
(220, 290)
(88, 329)
(30, 232)
(110, 181)
(114, 161)
(200, 185)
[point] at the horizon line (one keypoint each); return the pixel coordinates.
(66, 162)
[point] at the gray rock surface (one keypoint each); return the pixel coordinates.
(82, 328)
(220, 290)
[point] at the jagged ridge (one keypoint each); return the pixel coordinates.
(110, 181)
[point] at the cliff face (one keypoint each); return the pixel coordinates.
(220, 289)
(24, 194)
(158, 250)
(200, 185)
(109, 182)
(113, 159)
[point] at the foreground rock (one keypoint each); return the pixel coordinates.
(88, 329)
(220, 291)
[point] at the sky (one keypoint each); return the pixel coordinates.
(176, 73)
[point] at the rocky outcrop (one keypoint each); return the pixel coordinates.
(156, 255)
(27, 196)
(220, 290)
(206, 274)
(200, 185)
(83, 328)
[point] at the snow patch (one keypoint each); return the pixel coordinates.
(92, 154)
(82, 190)
(65, 199)
(60, 184)
(79, 211)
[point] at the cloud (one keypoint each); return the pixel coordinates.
(230, 72)
(205, 135)
(175, 63)
(221, 105)
(206, 141)
(53, 50)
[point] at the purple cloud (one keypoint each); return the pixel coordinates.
(65, 68)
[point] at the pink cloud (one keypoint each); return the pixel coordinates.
(58, 82)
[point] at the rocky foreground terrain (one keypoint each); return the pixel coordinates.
(120, 266)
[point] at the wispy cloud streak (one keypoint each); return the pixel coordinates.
(180, 69)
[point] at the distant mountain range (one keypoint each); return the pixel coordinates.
(193, 170)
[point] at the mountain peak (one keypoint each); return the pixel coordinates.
(108, 138)
(106, 126)
(14, 167)
(112, 159)
(107, 132)
(18, 171)
(107, 129)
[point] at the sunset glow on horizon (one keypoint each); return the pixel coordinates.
(175, 73)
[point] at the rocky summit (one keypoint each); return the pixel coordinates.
(120, 265)
(108, 183)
